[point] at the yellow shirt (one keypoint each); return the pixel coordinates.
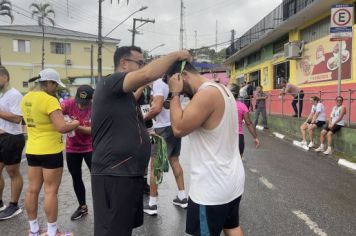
(42, 139)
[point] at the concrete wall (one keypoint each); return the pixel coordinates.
(344, 141)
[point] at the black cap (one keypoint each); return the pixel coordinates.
(84, 94)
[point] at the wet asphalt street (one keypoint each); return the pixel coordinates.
(288, 191)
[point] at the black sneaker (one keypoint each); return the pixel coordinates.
(151, 210)
(182, 203)
(79, 213)
(9, 212)
(2, 206)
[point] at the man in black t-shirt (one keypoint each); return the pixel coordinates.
(121, 143)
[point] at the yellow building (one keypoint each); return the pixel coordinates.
(67, 51)
(293, 43)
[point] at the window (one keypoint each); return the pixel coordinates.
(20, 45)
(281, 73)
(239, 64)
(255, 79)
(60, 48)
(253, 58)
(278, 46)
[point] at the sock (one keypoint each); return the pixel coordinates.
(34, 228)
(14, 204)
(52, 229)
(181, 194)
(322, 145)
(152, 201)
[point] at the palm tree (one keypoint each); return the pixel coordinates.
(5, 9)
(43, 12)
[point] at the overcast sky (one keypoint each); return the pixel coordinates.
(200, 15)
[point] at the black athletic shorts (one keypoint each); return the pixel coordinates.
(11, 147)
(334, 129)
(118, 204)
(211, 220)
(48, 161)
(173, 143)
(241, 144)
(318, 123)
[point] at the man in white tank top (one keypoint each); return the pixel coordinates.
(217, 173)
(335, 123)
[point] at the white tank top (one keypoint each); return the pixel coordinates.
(335, 115)
(217, 173)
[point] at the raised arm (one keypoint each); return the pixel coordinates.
(153, 70)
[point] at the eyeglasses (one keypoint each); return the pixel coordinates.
(182, 66)
(140, 63)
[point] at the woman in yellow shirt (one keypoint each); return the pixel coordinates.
(45, 126)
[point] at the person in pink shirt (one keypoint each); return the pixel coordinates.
(79, 142)
(244, 115)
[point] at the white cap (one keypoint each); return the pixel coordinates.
(50, 75)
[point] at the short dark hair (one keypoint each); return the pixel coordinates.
(340, 97)
(123, 52)
(175, 68)
(315, 98)
(235, 88)
(4, 72)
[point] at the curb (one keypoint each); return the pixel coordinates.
(347, 164)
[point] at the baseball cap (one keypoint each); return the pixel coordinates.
(84, 94)
(48, 75)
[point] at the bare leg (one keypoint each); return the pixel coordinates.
(16, 181)
(330, 138)
(311, 132)
(177, 171)
(303, 129)
(234, 232)
(35, 181)
(322, 136)
(153, 185)
(52, 180)
(2, 182)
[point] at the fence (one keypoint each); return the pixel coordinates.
(281, 105)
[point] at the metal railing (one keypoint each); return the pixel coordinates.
(281, 13)
(281, 105)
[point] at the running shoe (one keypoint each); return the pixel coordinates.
(182, 203)
(328, 151)
(311, 145)
(150, 210)
(10, 212)
(79, 213)
(304, 143)
(40, 232)
(2, 206)
(320, 149)
(60, 233)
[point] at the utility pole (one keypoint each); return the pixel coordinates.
(232, 38)
(196, 39)
(181, 25)
(216, 36)
(100, 44)
(92, 64)
(134, 28)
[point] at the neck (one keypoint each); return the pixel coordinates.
(6, 87)
(197, 81)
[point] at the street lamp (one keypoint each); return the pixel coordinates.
(158, 46)
(100, 39)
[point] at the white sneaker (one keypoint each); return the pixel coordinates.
(328, 151)
(311, 145)
(304, 143)
(320, 149)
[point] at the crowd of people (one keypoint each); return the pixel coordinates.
(112, 130)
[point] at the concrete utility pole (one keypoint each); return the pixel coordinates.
(134, 28)
(232, 38)
(181, 25)
(216, 36)
(196, 39)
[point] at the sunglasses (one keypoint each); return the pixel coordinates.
(140, 63)
(182, 66)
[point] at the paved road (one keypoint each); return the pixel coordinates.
(288, 192)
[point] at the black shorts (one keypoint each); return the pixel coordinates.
(118, 204)
(211, 220)
(11, 147)
(318, 123)
(173, 143)
(241, 144)
(334, 129)
(48, 161)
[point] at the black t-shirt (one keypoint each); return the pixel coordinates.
(120, 140)
(144, 101)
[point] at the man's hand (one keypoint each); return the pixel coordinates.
(175, 83)
(184, 55)
(257, 142)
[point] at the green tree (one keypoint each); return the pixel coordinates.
(43, 12)
(6, 10)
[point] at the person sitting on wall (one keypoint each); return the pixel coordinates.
(335, 123)
(315, 119)
(297, 94)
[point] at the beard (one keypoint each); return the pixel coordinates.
(187, 90)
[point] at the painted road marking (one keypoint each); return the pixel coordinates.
(299, 144)
(348, 164)
(266, 182)
(259, 127)
(311, 224)
(278, 135)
